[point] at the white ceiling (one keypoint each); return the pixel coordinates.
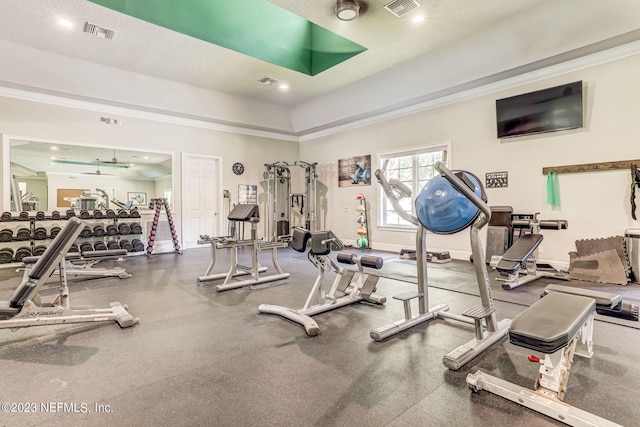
(461, 43)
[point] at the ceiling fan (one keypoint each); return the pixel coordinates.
(114, 161)
(97, 172)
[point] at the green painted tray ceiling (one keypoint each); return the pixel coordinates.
(253, 27)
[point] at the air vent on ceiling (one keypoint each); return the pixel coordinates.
(402, 7)
(99, 31)
(267, 81)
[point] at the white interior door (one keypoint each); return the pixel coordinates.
(200, 198)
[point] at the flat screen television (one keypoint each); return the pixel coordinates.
(547, 110)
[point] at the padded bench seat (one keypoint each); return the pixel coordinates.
(603, 299)
(522, 249)
(551, 323)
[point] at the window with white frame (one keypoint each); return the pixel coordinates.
(414, 167)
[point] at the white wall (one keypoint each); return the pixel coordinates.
(34, 120)
(595, 204)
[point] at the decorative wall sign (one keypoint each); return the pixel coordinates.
(247, 193)
(497, 179)
(238, 168)
(354, 171)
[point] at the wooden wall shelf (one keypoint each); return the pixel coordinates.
(591, 167)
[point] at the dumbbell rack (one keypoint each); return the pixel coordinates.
(35, 233)
(160, 204)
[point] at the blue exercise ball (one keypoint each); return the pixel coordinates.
(442, 209)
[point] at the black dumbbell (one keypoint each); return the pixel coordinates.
(112, 230)
(137, 244)
(6, 216)
(39, 250)
(54, 231)
(23, 234)
(6, 235)
(99, 246)
(97, 214)
(125, 244)
(134, 213)
(113, 244)
(55, 215)
(110, 213)
(74, 248)
(84, 214)
(98, 230)
(6, 255)
(122, 213)
(86, 247)
(40, 216)
(86, 232)
(136, 228)
(23, 216)
(40, 233)
(70, 213)
(124, 228)
(21, 252)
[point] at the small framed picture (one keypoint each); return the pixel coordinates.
(137, 199)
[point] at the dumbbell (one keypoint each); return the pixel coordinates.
(113, 244)
(6, 255)
(86, 232)
(21, 252)
(98, 230)
(55, 215)
(99, 246)
(111, 213)
(137, 244)
(122, 213)
(84, 214)
(23, 216)
(125, 244)
(6, 216)
(23, 234)
(74, 248)
(97, 214)
(134, 213)
(86, 247)
(40, 216)
(39, 250)
(40, 233)
(54, 231)
(70, 213)
(136, 228)
(112, 230)
(124, 228)
(6, 235)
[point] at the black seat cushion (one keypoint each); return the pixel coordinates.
(551, 323)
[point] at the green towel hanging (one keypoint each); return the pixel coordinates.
(553, 192)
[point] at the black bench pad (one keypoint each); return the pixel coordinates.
(603, 299)
(522, 249)
(551, 323)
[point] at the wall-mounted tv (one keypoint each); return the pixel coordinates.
(547, 110)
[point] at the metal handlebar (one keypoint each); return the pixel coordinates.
(464, 189)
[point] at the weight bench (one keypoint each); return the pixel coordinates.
(82, 264)
(26, 307)
(243, 213)
(607, 304)
(522, 254)
(559, 326)
(344, 289)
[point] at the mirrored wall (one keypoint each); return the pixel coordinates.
(46, 176)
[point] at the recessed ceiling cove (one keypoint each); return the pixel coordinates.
(252, 27)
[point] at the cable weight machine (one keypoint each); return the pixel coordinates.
(281, 202)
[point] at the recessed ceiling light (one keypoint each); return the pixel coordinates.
(283, 87)
(418, 19)
(65, 23)
(53, 147)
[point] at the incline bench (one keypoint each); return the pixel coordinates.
(26, 307)
(558, 326)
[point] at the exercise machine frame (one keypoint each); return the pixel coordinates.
(344, 290)
(488, 329)
(26, 307)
